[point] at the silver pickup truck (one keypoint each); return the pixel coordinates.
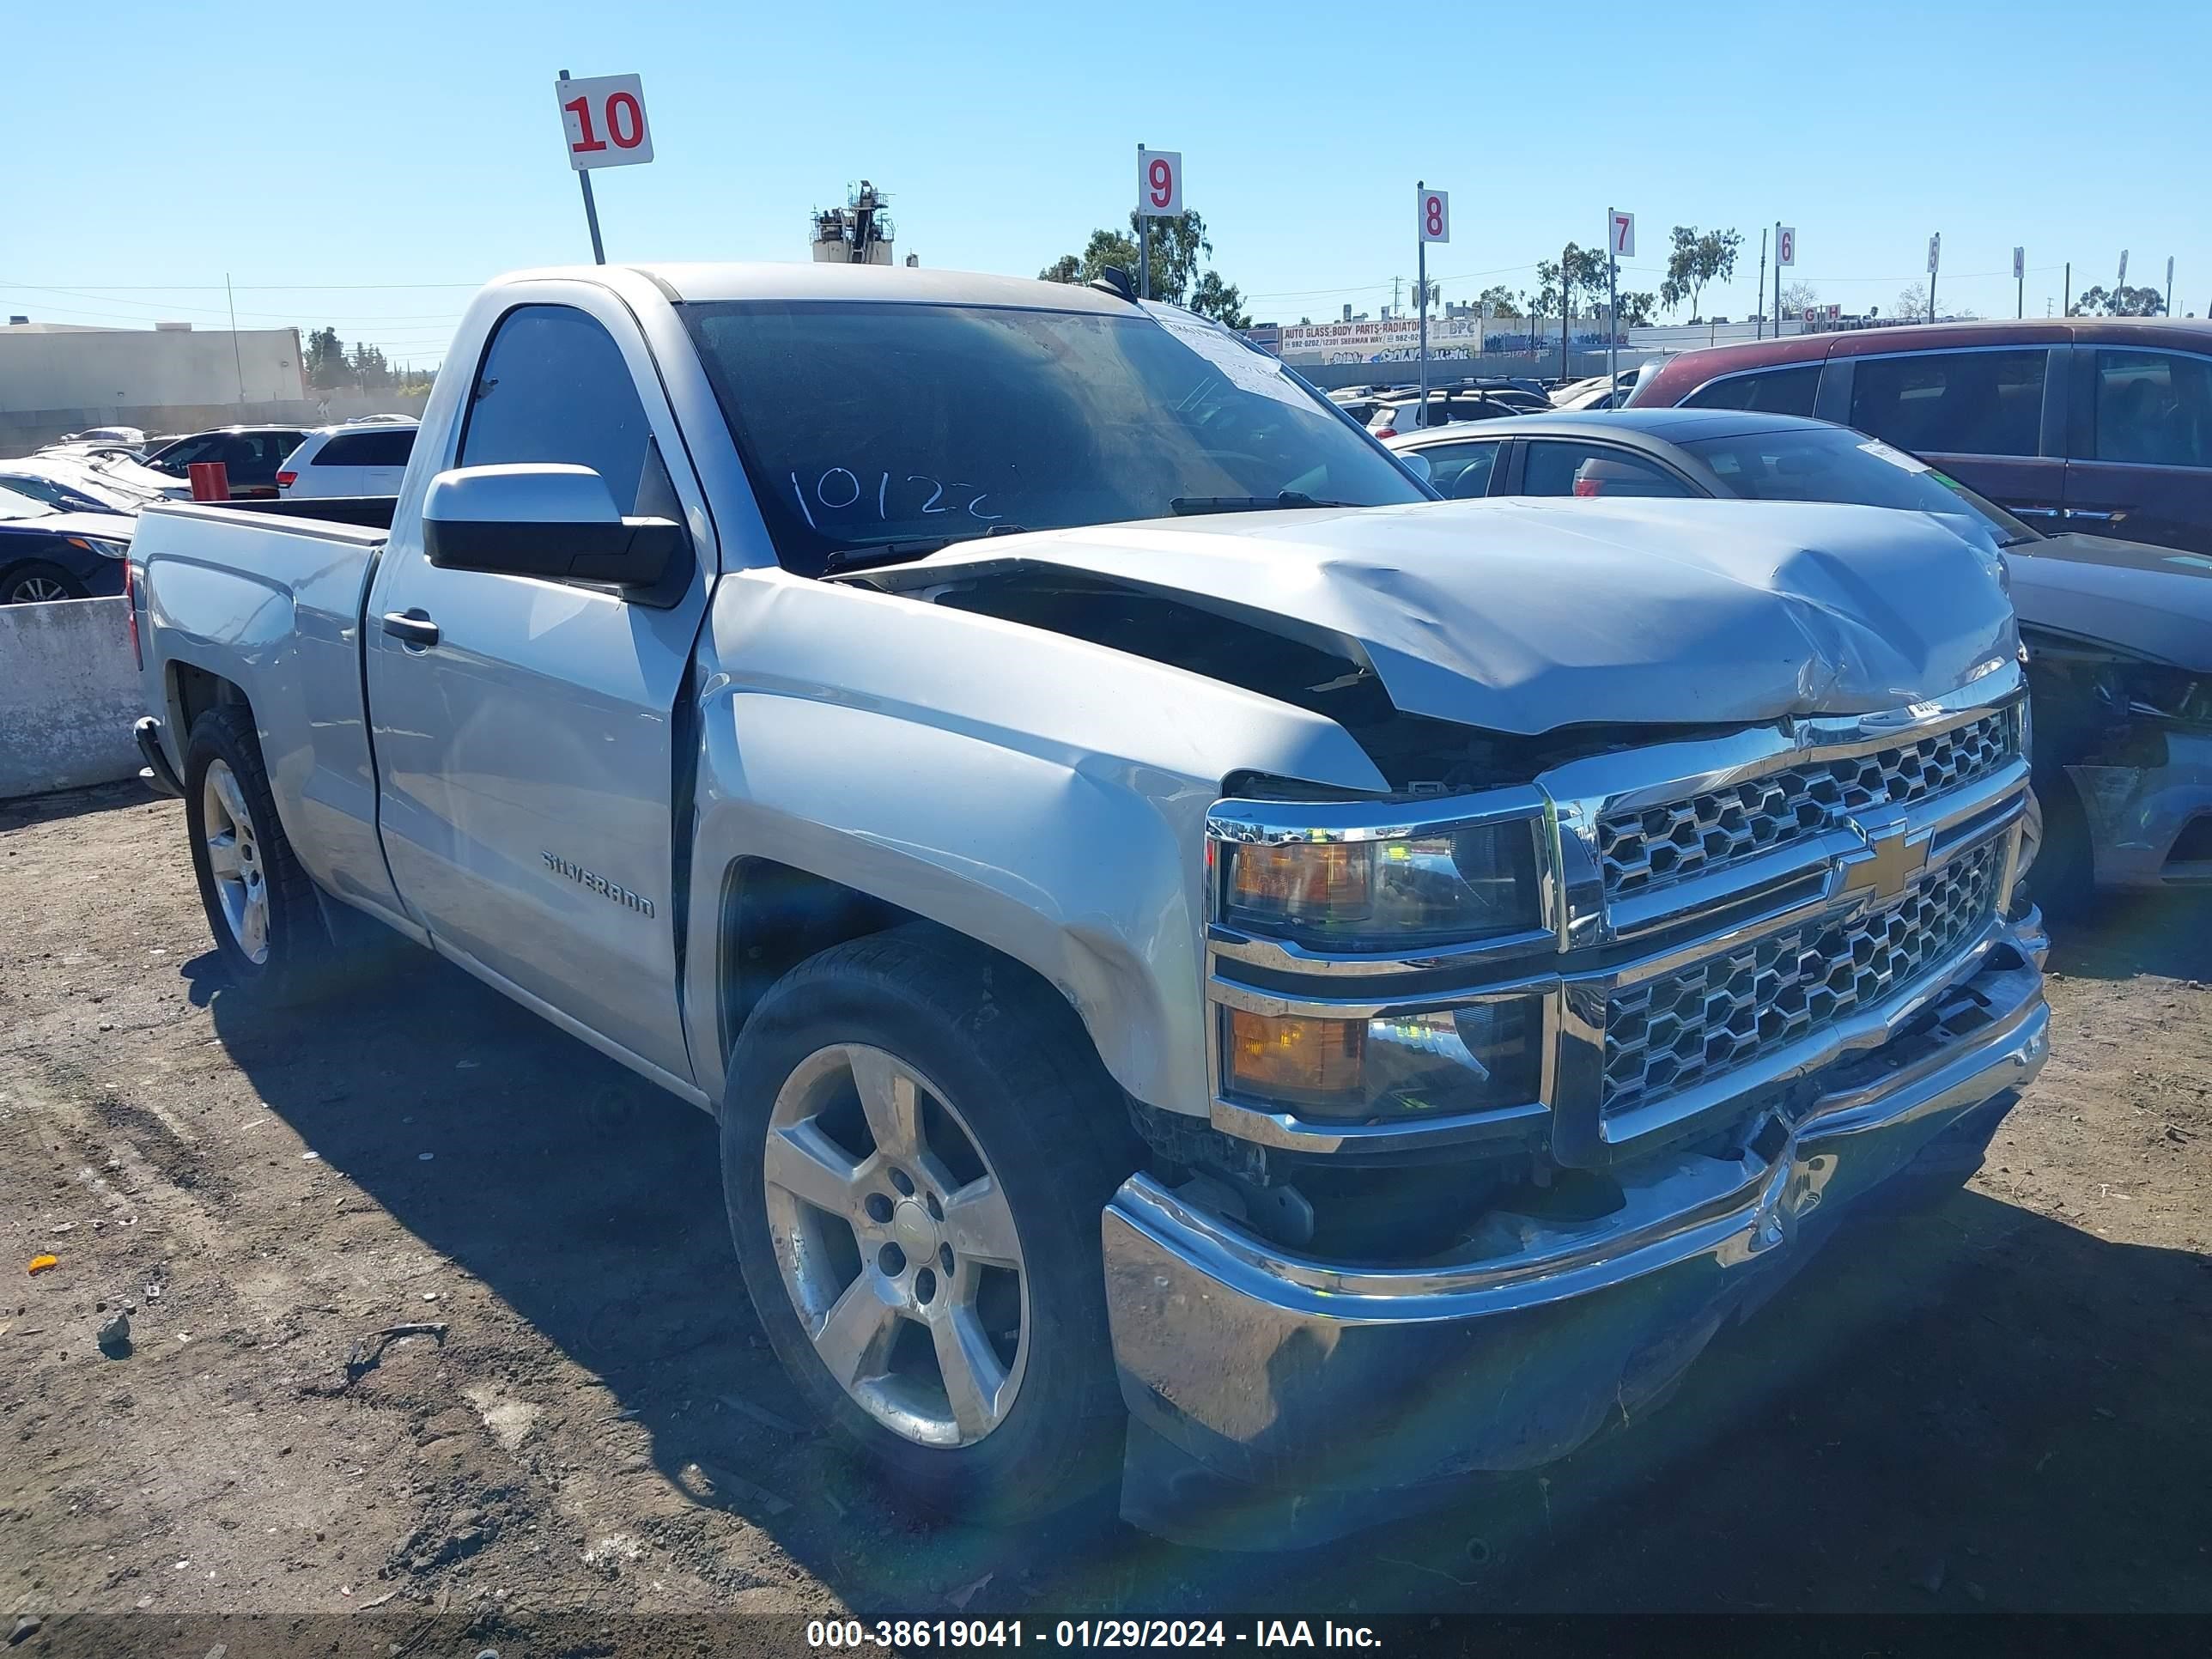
(1206, 959)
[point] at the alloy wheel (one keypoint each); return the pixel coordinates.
(234, 855)
(896, 1245)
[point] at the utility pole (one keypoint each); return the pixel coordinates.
(237, 357)
(1761, 334)
(2066, 302)
(1398, 283)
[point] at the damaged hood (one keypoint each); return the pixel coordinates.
(1523, 616)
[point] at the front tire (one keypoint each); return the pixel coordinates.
(260, 903)
(2062, 881)
(40, 583)
(917, 1140)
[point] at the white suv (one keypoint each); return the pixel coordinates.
(362, 458)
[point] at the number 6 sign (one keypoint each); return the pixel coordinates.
(1160, 183)
(1436, 215)
(605, 120)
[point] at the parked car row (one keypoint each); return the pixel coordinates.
(2103, 425)
(2118, 634)
(99, 481)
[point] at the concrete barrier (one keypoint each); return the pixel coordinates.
(69, 694)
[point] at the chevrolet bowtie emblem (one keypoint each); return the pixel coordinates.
(1892, 860)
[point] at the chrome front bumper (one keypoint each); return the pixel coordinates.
(1263, 1383)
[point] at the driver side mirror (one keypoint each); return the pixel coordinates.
(545, 519)
(1417, 464)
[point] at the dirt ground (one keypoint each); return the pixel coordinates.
(2001, 1403)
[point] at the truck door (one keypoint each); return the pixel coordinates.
(532, 734)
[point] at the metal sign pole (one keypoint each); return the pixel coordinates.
(1421, 297)
(1612, 307)
(1143, 238)
(1777, 277)
(591, 207)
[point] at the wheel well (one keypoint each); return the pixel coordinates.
(192, 692)
(773, 917)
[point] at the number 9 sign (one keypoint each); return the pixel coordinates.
(1160, 183)
(604, 120)
(1436, 215)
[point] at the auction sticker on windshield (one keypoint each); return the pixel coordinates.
(1896, 458)
(1245, 369)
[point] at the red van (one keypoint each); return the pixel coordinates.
(2098, 424)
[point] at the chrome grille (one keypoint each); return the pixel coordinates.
(1684, 1027)
(1664, 844)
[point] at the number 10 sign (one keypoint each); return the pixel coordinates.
(605, 121)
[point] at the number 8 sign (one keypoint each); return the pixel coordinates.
(605, 121)
(1436, 215)
(1160, 183)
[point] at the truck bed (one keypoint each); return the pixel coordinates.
(370, 512)
(268, 596)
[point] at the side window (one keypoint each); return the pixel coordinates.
(1556, 468)
(1773, 391)
(2154, 408)
(389, 448)
(178, 457)
(256, 449)
(1959, 403)
(1460, 472)
(554, 387)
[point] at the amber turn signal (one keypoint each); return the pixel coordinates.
(1296, 1059)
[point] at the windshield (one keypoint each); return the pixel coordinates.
(14, 504)
(896, 427)
(1834, 463)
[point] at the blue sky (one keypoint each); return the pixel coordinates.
(367, 162)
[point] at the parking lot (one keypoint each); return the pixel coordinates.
(2002, 1406)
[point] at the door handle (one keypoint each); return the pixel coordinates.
(2095, 515)
(412, 628)
(2036, 512)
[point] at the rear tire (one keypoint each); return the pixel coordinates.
(260, 903)
(1010, 1103)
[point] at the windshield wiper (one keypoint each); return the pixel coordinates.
(1192, 506)
(867, 555)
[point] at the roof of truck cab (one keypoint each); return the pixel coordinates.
(793, 281)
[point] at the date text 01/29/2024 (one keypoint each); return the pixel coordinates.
(1084, 1634)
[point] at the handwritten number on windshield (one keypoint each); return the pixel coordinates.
(839, 490)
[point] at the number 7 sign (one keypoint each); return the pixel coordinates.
(1624, 235)
(604, 118)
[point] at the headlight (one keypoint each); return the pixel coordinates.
(106, 549)
(1455, 885)
(1438, 1064)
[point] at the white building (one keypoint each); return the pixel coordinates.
(57, 377)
